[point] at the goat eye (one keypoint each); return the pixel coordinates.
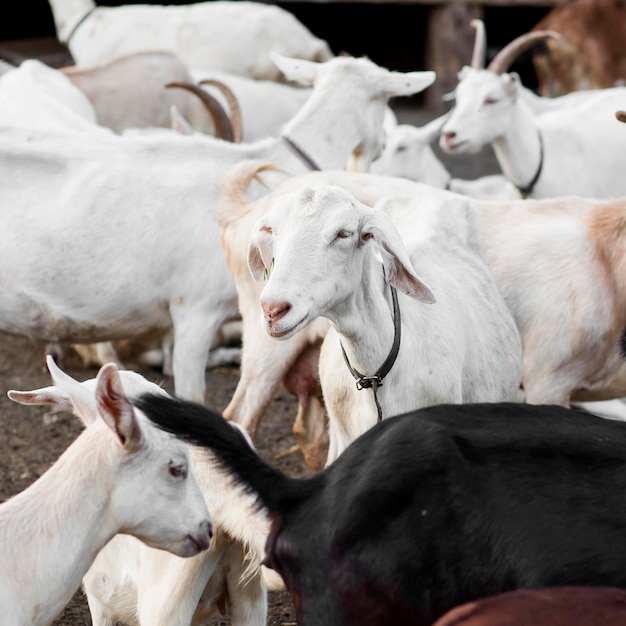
(177, 471)
(490, 100)
(266, 229)
(343, 234)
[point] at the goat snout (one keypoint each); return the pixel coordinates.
(204, 535)
(274, 311)
(447, 138)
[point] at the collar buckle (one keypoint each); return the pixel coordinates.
(367, 382)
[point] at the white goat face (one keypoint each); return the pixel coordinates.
(483, 110)
(307, 250)
(316, 248)
(366, 86)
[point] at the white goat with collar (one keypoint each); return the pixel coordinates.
(121, 475)
(323, 253)
(160, 265)
(573, 150)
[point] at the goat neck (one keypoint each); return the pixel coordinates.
(316, 134)
(93, 525)
(68, 15)
(367, 326)
(519, 150)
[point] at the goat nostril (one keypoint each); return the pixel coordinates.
(274, 311)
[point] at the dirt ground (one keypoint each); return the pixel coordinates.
(31, 439)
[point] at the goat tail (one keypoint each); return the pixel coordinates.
(234, 202)
(198, 425)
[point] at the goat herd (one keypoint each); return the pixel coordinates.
(456, 347)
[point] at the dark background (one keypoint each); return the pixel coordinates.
(392, 35)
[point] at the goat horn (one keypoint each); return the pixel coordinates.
(621, 116)
(503, 60)
(223, 128)
(235, 110)
(479, 53)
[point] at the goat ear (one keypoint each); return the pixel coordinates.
(115, 409)
(260, 255)
(512, 82)
(179, 123)
(67, 394)
(77, 396)
(405, 83)
(43, 396)
(398, 268)
(298, 70)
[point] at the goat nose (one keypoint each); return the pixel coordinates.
(273, 311)
(205, 535)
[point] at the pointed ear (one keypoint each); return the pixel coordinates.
(115, 409)
(512, 82)
(43, 396)
(405, 83)
(398, 268)
(67, 394)
(298, 70)
(79, 395)
(179, 123)
(260, 254)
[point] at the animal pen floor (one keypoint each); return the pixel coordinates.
(32, 439)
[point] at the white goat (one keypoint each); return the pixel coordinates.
(136, 584)
(234, 37)
(266, 106)
(319, 251)
(559, 288)
(408, 154)
(161, 265)
(121, 475)
(129, 92)
(35, 95)
(572, 150)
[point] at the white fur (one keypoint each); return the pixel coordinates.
(234, 37)
(550, 284)
(121, 475)
(160, 265)
(128, 92)
(583, 146)
(322, 249)
(138, 585)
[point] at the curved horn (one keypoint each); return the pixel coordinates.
(502, 61)
(235, 111)
(621, 115)
(223, 128)
(479, 54)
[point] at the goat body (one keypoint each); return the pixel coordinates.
(590, 54)
(435, 508)
(129, 92)
(235, 37)
(119, 476)
(554, 606)
(559, 264)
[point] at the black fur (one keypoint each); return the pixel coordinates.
(435, 508)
